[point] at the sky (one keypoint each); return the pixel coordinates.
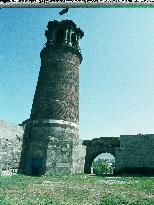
(116, 74)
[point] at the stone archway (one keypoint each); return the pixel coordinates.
(98, 146)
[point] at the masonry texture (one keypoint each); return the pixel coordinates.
(135, 154)
(51, 142)
(10, 146)
(57, 92)
(98, 146)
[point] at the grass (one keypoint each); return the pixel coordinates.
(76, 190)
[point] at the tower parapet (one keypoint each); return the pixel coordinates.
(63, 33)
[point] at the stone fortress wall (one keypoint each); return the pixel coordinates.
(135, 154)
(10, 146)
(11, 141)
(60, 153)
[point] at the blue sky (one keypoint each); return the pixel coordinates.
(116, 75)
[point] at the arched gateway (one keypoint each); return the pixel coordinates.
(97, 146)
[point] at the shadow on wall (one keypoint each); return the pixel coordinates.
(34, 152)
(135, 171)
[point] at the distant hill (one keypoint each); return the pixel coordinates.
(9, 130)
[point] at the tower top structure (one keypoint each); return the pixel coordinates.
(64, 33)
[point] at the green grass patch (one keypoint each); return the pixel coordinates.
(76, 190)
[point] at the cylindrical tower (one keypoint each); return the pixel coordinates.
(52, 130)
(57, 91)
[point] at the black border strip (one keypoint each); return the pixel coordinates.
(123, 4)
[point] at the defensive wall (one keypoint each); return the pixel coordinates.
(11, 136)
(98, 146)
(58, 150)
(133, 153)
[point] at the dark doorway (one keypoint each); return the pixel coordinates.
(36, 165)
(35, 171)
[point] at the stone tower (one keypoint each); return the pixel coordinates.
(51, 137)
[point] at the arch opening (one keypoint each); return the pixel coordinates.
(107, 154)
(73, 40)
(60, 36)
(103, 164)
(99, 146)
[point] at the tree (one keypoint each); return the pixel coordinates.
(101, 167)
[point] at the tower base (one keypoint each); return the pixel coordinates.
(51, 147)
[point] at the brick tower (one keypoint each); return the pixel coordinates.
(51, 135)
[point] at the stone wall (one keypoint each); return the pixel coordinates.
(10, 146)
(62, 155)
(57, 92)
(136, 154)
(78, 157)
(98, 146)
(58, 149)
